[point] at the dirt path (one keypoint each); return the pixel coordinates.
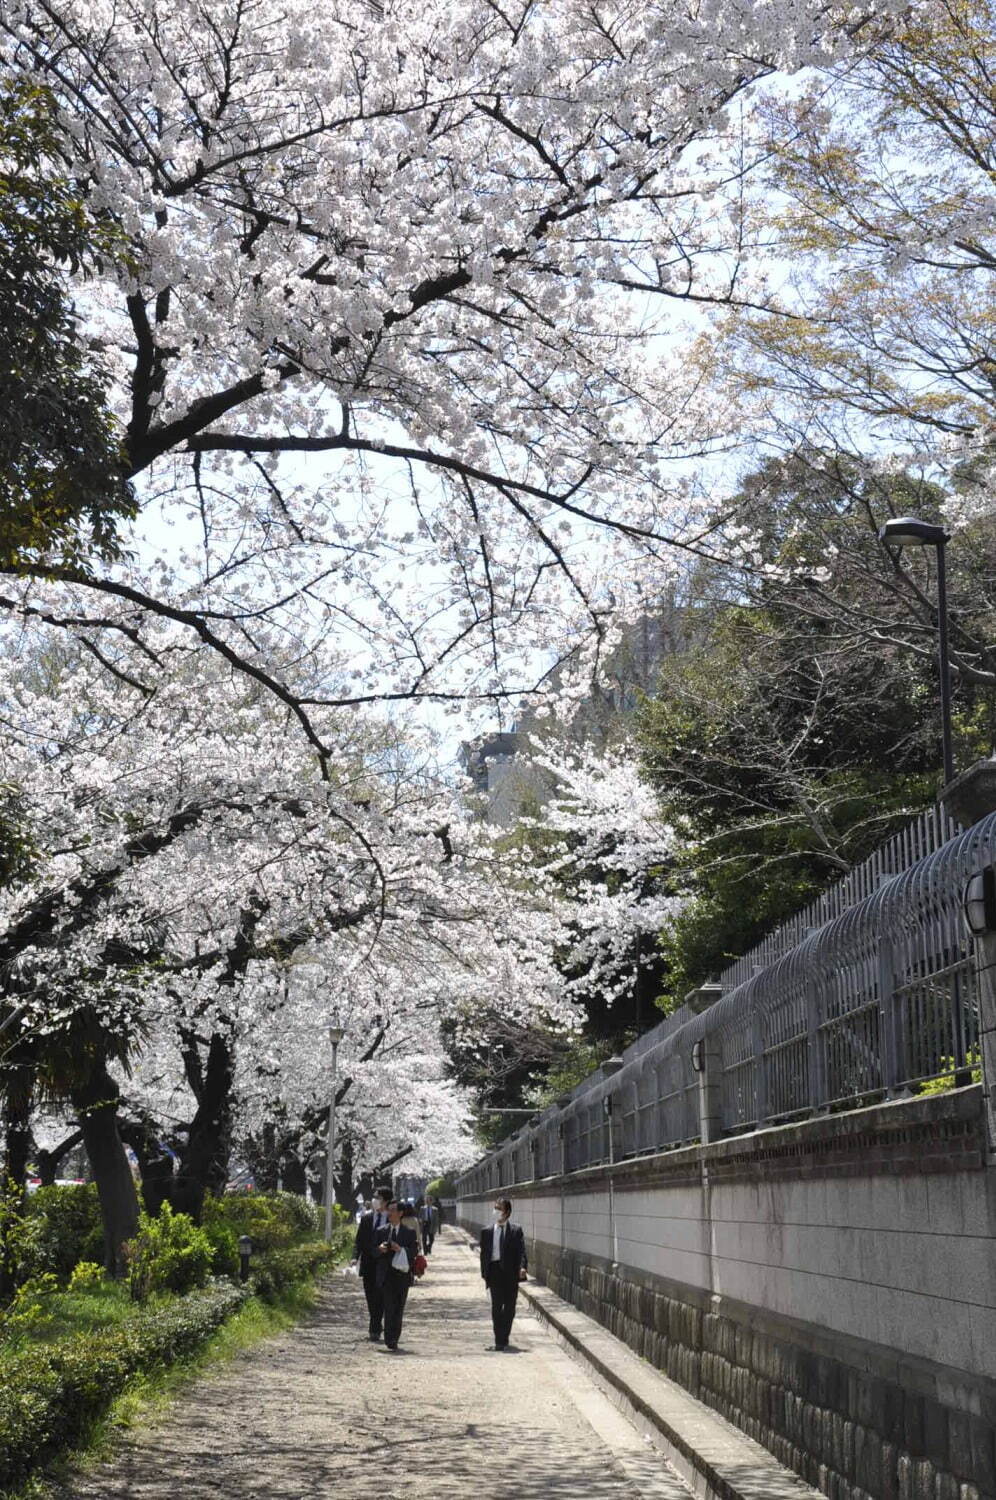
(321, 1412)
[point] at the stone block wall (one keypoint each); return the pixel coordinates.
(829, 1287)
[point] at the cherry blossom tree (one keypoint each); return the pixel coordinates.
(186, 857)
(402, 306)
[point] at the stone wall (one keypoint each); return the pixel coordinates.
(830, 1287)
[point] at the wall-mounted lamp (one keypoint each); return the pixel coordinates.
(980, 901)
(698, 1057)
(607, 1106)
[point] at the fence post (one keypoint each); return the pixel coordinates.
(892, 1020)
(760, 1063)
(986, 959)
(706, 1063)
(816, 1058)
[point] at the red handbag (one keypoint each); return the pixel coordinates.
(421, 1265)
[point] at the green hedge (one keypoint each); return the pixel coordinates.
(277, 1269)
(271, 1220)
(53, 1231)
(50, 1394)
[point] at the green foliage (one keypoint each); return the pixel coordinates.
(87, 1275)
(276, 1270)
(224, 1247)
(29, 1308)
(441, 1187)
(51, 1393)
(580, 1060)
(271, 1220)
(945, 1081)
(789, 738)
(61, 1227)
(169, 1253)
(62, 486)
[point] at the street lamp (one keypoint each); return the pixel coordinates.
(907, 531)
(336, 1034)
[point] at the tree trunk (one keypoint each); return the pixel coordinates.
(344, 1177)
(205, 1160)
(17, 1136)
(49, 1162)
(96, 1103)
(293, 1175)
(263, 1155)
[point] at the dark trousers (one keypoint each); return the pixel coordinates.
(427, 1239)
(504, 1295)
(395, 1292)
(375, 1301)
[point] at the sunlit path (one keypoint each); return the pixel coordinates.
(322, 1412)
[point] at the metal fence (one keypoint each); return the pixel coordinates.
(872, 1001)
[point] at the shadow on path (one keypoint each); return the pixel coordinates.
(322, 1412)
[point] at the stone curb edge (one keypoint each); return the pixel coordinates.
(767, 1479)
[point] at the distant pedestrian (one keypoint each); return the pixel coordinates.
(366, 1261)
(397, 1247)
(503, 1266)
(429, 1220)
(409, 1218)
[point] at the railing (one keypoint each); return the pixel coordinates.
(922, 836)
(876, 1000)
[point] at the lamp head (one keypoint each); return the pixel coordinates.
(907, 531)
(980, 901)
(336, 1033)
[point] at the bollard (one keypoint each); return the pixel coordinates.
(245, 1250)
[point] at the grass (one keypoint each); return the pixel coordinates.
(76, 1314)
(150, 1393)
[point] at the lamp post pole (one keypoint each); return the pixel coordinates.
(945, 660)
(335, 1037)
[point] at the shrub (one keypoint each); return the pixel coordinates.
(946, 1080)
(445, 1187)
(86, 1275)
(49, 1394)
(28, 1309)
(278, 1269)
(169, 1254)
(61, 1227)
(224, 1247)
(271, 1220)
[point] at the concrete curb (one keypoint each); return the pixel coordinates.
(712, 1457)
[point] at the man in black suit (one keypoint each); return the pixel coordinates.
(365, 1257)
(397, 1248)
(503, 1266)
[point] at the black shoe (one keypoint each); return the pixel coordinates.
(374, 1338)
(393, 1348)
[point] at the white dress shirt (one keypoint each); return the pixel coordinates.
(496, 1239)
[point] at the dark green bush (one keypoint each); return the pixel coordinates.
(271, 1220)
(169, 1254)
(49, 1394)
(277, 1269)
(61, 1227)
(224, 1247)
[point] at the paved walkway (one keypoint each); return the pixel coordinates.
(321, 1412)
